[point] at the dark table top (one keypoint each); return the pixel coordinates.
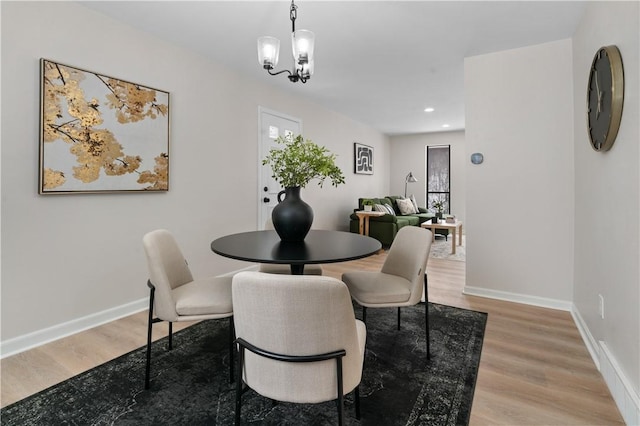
(318, 247)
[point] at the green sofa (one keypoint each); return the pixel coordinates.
(384, 228)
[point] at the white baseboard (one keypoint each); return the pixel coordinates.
(587, 337)
(31, 340)
(621, 389)
(543, 302)
(625, 397)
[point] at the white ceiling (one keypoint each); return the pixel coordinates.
(379, 62)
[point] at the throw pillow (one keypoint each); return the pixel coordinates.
(380, 208)
(405, 206)
(390, 209)
(415, 203)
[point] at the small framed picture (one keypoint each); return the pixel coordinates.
(362, 159)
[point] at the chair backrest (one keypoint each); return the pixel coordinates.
(296, 315)
(408, 256)
(168, 269)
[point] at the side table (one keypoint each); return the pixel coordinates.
(456, 226)
(363, 219)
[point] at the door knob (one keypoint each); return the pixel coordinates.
(266, 199)
(265, 189)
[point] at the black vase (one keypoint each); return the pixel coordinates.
(292, 217)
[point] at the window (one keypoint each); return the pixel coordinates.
(439, 176)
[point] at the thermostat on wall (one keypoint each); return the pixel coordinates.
(477, 158)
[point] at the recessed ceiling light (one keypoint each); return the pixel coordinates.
(445, 125)
(429, 109)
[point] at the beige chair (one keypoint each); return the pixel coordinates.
(401, 281)
(176, 296)
(298, 339)
(273, 268)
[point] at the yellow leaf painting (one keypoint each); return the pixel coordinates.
(99, 119)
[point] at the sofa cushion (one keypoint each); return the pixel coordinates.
(406, 206)
(392, 199)
(380, 208)
(386, 218)
(390, 208)
(422, 217)
(384, 208)
(407, 220)
(387, 200)
(415, 203)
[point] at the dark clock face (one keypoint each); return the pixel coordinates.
(604, 98)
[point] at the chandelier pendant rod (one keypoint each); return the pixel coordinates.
(293, 14)
(293, 76)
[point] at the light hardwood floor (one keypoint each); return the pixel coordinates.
(534, 370)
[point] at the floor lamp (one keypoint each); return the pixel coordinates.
(409, 178)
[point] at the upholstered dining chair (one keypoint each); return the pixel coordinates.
(402, 279)
(176, 296)
(298, 339)
(272, 268)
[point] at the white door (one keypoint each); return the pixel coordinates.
(272, 124)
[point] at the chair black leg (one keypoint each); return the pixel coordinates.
(232, 337)
(170, 335)
(357, 402)
(398, 318)
(340, 392)
(149, 329)
(239, 383)
(426, 315)
(364, 314)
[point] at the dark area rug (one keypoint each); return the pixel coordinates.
(190, 384)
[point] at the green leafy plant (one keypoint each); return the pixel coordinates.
(367, 202)
(300, 161)
(438, 205)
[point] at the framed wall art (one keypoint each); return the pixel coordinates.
(100, 134)
(362, 159)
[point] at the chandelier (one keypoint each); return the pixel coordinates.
(302, 42)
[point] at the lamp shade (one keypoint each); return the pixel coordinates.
(409, 178)
(268, 51)
(302, 42)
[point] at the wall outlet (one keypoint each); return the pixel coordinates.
(601, 306)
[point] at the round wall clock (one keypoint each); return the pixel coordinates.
(605, 96)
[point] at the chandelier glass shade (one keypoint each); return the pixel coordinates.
(268, 51)
(302, 45)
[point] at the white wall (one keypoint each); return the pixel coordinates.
(519, 114)
(607, 203)
(67, 257)
(408, 153)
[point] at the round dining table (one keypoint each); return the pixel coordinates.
(319, 246)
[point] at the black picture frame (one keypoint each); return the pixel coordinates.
(362, 159)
